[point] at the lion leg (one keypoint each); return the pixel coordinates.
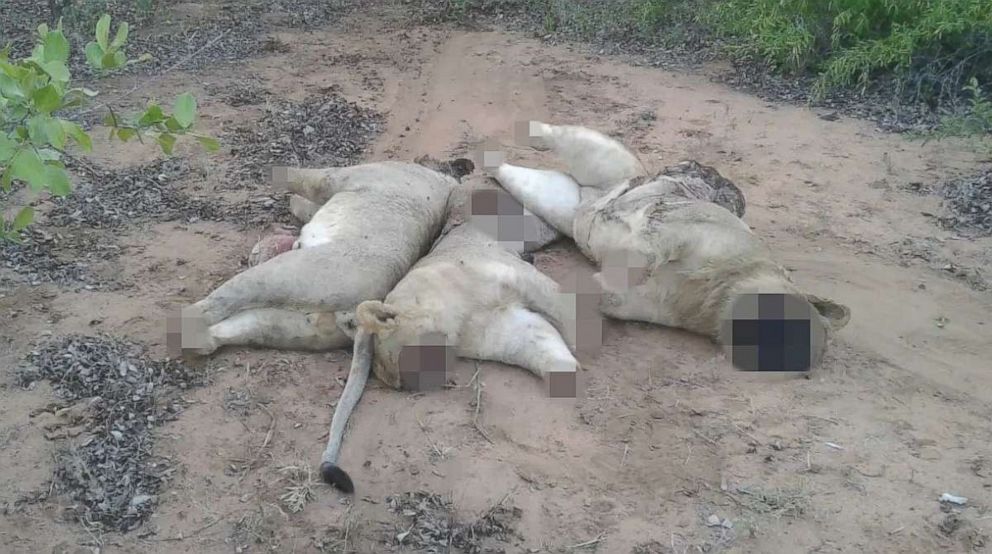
(280, 329)
(315, 185)
(287, 279)
(551, 195)
(636, 303)
(591, 158)
(517, 336)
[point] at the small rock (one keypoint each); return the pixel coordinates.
(959, 500)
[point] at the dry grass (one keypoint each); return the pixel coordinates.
(300, 491)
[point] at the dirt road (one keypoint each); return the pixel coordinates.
(852, 459)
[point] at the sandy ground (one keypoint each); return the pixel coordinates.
(851, 459)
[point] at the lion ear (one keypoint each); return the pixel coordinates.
(376, 317)
(836, 314)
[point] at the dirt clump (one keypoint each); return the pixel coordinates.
(240, 94)
(64, 256)
(111, 395)
(149, 192)
(969, 201)
(432, 527)
(323, 130)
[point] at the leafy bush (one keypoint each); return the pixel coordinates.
(976, 121)
(924, 50)
(33, 90)
(933, 47)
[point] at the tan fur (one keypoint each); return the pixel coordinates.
(460, 290)
(376, 220)
(699, 256)
(593, 159)
(473, 289)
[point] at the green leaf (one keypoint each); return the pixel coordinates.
(29, 79)
(27, 166)
(23, 219)
(49, 155)
(119, 58)
(173, 125)
(109, 60)
(210, 144)
(55, 132)
(110, 120)
(46, 130)
(7, 148)
(13, 71)
(152, 116)
(121, 36)
(37, 53)
(76, 133)
(56, 47)
(103, 32)
(94, 55)
(9, 88)
(6, 178)
(46, 99)
(36, 129)
(56, 70)
(126, 134)
(167, 142)
(58, 180)
(185, 110)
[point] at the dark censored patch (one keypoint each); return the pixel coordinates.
(562, 384)
(425, 366)
(772, 332)
(498, 214)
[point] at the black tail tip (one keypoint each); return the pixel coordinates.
(336, 477)
(462, 167)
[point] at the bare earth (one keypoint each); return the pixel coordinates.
(852, 459)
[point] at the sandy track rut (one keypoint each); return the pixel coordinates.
(666, 424)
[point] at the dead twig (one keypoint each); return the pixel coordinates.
(195, 532)
(249, 463)
(705, 438)
(588, 543)
(748, 435)
(478, 405)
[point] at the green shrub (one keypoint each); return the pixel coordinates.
(923, 50)
(33, 90)
(975, 122)
(932, 47)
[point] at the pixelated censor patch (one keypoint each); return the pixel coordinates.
(772, 332)
(425, 366)
(501, 217)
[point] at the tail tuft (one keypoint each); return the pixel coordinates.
(461, 167)
(336, 477)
